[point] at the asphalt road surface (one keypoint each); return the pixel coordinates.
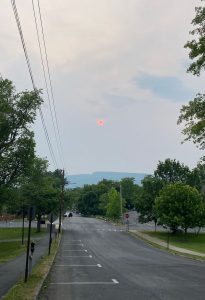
(99, 261)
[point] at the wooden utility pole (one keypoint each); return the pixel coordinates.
(61, 202)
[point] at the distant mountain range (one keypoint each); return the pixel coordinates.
(80, 179)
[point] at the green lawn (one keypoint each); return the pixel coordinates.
(9, 250)
(15, 233)
(192, 242)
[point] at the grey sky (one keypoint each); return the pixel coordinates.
(108, 60)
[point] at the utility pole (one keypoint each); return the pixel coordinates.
(61, 202)
(121, 203)
(28, 243)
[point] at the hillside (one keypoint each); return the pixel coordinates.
(80, 179)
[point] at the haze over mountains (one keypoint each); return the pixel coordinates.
(79, 180)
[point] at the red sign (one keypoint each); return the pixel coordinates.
(126, 215)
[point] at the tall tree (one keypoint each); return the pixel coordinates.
(114, 204)
(180, 205)
(17, 113)
(192, 115)
(171, 171)
(197, 45)
(145, 202)
(39, 190)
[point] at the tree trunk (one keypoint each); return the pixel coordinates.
(198, 231)
(185, 231)
(38, 223)
(155, 225)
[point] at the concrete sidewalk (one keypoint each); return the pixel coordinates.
(159, 242)
(13, 270)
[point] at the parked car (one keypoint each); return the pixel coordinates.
(70, 214)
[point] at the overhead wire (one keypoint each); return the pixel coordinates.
(46, 83)
(50, 81)
(32, 79)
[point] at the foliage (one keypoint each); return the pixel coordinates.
(128, 189)
(197, 45)
(38, 190)
(193, 113)
(197, 177)
(17, 113)
(180, 205)
(171, 171)
(193, 117)
(145, 203)
(114, 204)
(88, 204)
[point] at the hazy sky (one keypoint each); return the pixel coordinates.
(118, 60)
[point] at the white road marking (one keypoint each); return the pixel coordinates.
(90, 256)
(114, 281)
(98, 265)
(74, 250)
(70, 244)
(75, 241)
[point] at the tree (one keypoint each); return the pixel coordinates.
(114, 204)
(38, 190)
(193, 117)
(145, 202)
(197, 177)
(171, 171)
(88, 203)
(197, 46)
(193, 113)
(128, 189)
(17, 113)
(180, 205)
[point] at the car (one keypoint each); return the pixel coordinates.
(66, 214)
(70, 214)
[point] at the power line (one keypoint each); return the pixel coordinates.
(45, 79)
(32, 78)
(49, 76)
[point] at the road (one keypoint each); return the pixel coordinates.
(99, 261)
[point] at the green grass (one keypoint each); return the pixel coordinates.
(9, 250)
(192, 242)
(15, 233)
(28, 291)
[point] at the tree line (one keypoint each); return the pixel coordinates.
(173, 195)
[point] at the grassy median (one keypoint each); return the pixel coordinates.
(192, 241)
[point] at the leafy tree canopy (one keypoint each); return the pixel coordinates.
(17, 113)
(197, 45)
(180, 205)
(193, 115)
(171, 171)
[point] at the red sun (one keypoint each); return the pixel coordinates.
(100, 122)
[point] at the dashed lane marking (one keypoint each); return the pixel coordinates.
(114, 281)
(98, 265)
(90, 256)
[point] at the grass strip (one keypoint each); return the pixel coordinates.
(191, 242)
(156, 245)
(10, 250)
(30, 290)
(15, 233)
